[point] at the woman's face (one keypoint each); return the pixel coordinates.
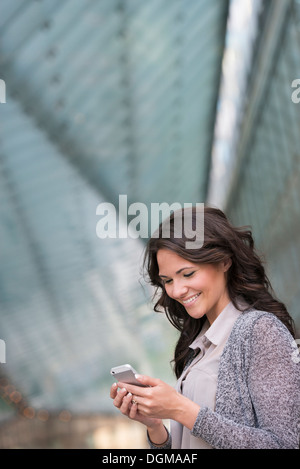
(200, 288)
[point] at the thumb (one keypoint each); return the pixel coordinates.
(147, 380)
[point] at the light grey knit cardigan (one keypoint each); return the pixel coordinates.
(258, 389)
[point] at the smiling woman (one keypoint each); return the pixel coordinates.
(238, 386)
(200, 288)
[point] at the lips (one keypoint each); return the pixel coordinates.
(191, 299)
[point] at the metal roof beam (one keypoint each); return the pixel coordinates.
(262, 69)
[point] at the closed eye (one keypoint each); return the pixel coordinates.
(185, 275)
(167, 281)
(189, 275)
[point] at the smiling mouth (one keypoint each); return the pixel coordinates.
(191, 300)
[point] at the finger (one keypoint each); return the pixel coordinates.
(141, 409)
(137, 390)
(113, 390)
(126, 404)
(119, 397)
(148, 380)
(133, 410)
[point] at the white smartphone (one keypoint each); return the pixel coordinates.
(125, 374)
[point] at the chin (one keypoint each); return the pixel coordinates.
(196, 314)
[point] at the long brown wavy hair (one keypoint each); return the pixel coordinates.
(246, 277)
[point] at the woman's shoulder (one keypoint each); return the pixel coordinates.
(260, 334)
(259, 324)
(250, 316)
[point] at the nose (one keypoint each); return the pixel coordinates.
(179, 290)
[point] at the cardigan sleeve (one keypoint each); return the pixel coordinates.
(166, 445)
(273, 380)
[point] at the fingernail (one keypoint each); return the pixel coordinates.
(138, 376)
(115, 385)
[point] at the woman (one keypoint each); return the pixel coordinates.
(238, 385)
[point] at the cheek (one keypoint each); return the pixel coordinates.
(205, 280)
(211, 282)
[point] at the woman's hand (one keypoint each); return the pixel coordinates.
(122, 399)
(162, 401)
(157, 400)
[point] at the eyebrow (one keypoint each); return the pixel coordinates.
(178, 271)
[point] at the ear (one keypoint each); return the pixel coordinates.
(227, 264)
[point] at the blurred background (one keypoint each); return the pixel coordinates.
(163, 101)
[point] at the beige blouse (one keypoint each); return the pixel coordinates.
(199, 381)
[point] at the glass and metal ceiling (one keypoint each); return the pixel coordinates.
(266, 183)
(103, 98)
